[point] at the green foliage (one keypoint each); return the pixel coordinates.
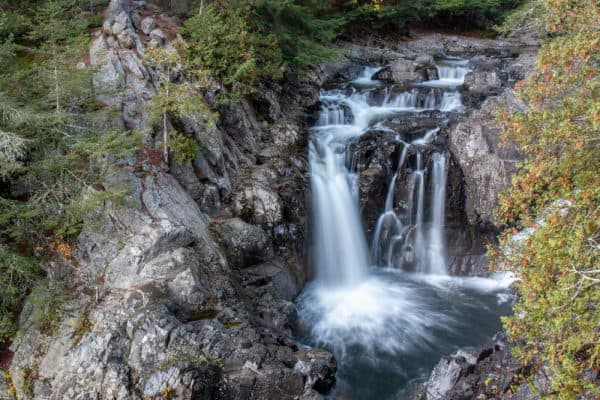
(239, 43)
(223, 46)
(302, 36)
(400, 13)
(183, 147)
(557, 311)
(526, 17)
(53, 159)
(18, 275)
(182, 99)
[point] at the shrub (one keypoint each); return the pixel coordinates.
(18, 275)
(557, 311)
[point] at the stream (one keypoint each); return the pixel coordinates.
(386, 305)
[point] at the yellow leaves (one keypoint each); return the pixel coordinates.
(63, 249)
(519, 85)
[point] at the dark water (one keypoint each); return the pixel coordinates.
(388, 331)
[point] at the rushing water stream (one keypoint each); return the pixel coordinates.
(385, 305)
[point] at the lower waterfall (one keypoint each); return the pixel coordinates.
(385, 305)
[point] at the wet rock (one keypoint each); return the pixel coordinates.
(405, 71)
(516, 71)
(484, 63)
(487, 372)
(466, 252)
(339, 71)
(210, 201)
(319, 367)
(245, 244)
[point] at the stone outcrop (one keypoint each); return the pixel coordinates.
(185, 290)
(482, 373)
(491, 372)
(486, 163)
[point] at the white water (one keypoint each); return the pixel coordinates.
(336, 220)
(379, 320)
(451, 74)
(436, 259)
(366, 77)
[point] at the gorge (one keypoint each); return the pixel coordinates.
(276, 200)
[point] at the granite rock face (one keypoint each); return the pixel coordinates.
(486, 163)
(185, 290)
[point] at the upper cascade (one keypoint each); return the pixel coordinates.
(410, 238)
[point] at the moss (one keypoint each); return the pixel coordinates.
(203, 314)
(12, 391)
(232, 324)
(30, 374)
(82, 326)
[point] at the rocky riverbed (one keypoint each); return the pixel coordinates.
(188, 290)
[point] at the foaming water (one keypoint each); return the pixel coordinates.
(388, 331)
(387, 326)
(366, 77)
(451, 74)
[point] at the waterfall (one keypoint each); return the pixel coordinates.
(340, 254)
(436, 260)
(366, 77)
(430, 100)
(451, 102)
(451, 74)
(386, 326)
(408, 237)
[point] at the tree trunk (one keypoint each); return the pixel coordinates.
(165, 138)
(165, 131)
(56, 85)
(201, 8)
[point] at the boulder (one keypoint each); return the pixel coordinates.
(483, 83)
(406, 71)
(482, 62)
(319, 366)
(486, 372)
(147, 25)
(273, 275)
(259, 204)
(245, 244)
